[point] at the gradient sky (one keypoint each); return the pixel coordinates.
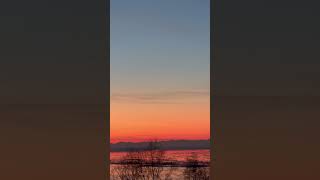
(160, 69)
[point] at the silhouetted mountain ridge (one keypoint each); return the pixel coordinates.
(164, 145)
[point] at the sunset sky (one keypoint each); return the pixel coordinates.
(160, 69)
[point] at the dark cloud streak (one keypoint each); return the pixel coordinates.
(160, 97)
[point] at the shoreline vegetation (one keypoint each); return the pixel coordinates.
(153, 164)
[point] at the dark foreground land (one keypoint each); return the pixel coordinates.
(154, 164)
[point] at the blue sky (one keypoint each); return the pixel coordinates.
(159, 46)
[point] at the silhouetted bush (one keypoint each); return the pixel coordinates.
(194, 170)
(152, 164)
(143, 165)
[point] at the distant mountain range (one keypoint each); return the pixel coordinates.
(164, 145)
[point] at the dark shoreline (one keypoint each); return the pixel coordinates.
(164, 145)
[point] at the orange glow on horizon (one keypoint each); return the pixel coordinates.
(133, 122)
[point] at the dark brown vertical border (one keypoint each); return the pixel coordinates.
(266, 89)
(54, 89)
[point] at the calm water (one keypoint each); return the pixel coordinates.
(179, 155)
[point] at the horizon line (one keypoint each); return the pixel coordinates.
(160, 140)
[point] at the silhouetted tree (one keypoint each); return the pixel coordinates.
(143, 165)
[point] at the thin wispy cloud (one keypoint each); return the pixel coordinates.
(160, 97)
